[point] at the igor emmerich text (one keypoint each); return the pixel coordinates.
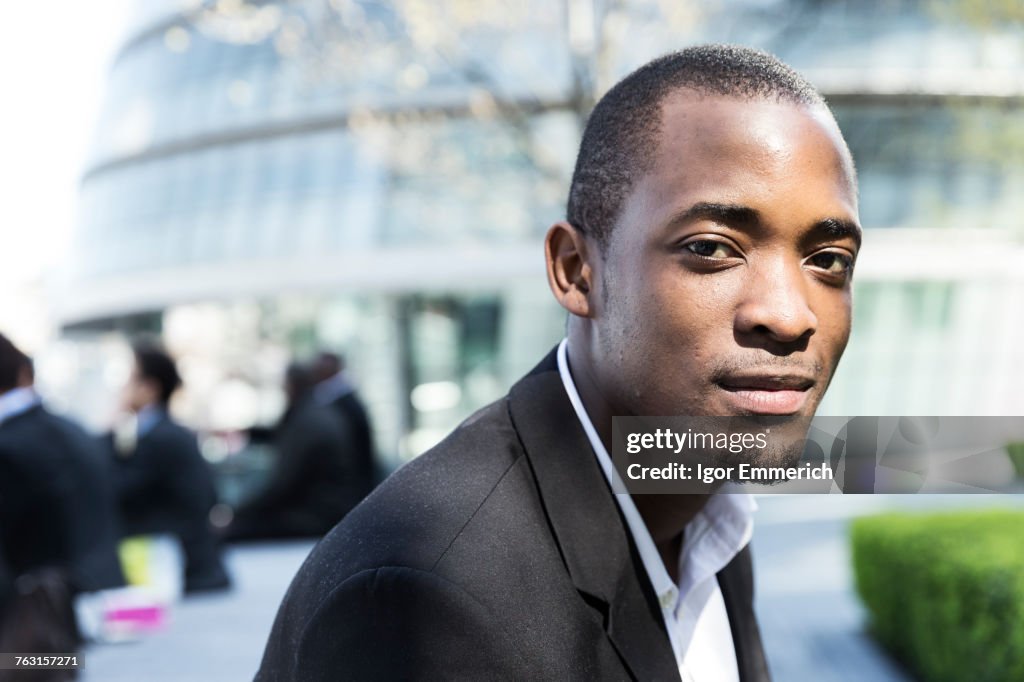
(741, 472)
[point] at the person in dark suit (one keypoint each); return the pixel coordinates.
(163, 484)
(6, 584)
(706, 265)
(312, 485)
(56, 494)
(335, 389)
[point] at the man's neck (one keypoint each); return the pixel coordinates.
(149, 408)
(665, 516)
(148, 417)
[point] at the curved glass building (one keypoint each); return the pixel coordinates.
(376, 177)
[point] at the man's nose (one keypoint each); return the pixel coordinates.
(775, 306)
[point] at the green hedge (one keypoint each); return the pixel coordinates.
(945, 592)
(1016, 453)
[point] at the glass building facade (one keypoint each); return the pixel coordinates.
(376, 177)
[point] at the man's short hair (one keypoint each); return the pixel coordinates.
(12, 364)
(621, 136)
(154, 364)
(330, 359)
(326, 364)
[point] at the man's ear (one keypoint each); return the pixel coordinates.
(570, 272)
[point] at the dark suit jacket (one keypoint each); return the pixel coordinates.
(499, 554)
(363, 463)
(6, 583)
(165, 486)
(57, 505)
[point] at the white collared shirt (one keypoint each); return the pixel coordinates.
(147, 418)
(16, 401)
(693, 609)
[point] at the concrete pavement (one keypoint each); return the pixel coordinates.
(215, 638)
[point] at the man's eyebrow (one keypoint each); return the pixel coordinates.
(727, 214)
(839, 228)
(738, 215)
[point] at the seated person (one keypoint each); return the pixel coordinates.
(311, 486)
(163, 483)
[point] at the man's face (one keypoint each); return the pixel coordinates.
(138, 392)
(726, 284)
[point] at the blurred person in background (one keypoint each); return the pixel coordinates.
(163, 484)
(58, 530)
(6, 584)
(311, 486)
(56, 491)
(335, 389)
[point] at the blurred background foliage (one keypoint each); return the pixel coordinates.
(945, 592)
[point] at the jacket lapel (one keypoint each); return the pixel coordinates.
(591, 534)
(736, 581)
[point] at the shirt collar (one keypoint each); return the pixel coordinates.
(17, 401)
(724, 525)
(147, 418)
(715, 536)
(332, 388)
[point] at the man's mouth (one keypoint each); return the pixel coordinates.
(768, 393)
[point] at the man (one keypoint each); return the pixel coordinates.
(311, 485)
(705, 264)
(56, 495)
(163, 483)
(57, 517)
(334, 388)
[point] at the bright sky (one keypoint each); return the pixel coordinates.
(54, 58)
(53, 62)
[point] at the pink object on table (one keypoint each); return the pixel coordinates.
(141, 617)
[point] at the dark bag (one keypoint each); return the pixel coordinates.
(39, 619)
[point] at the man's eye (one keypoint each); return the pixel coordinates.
(709, 249)
(831, 262)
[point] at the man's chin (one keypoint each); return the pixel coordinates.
(785, 440)
(781, 454)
